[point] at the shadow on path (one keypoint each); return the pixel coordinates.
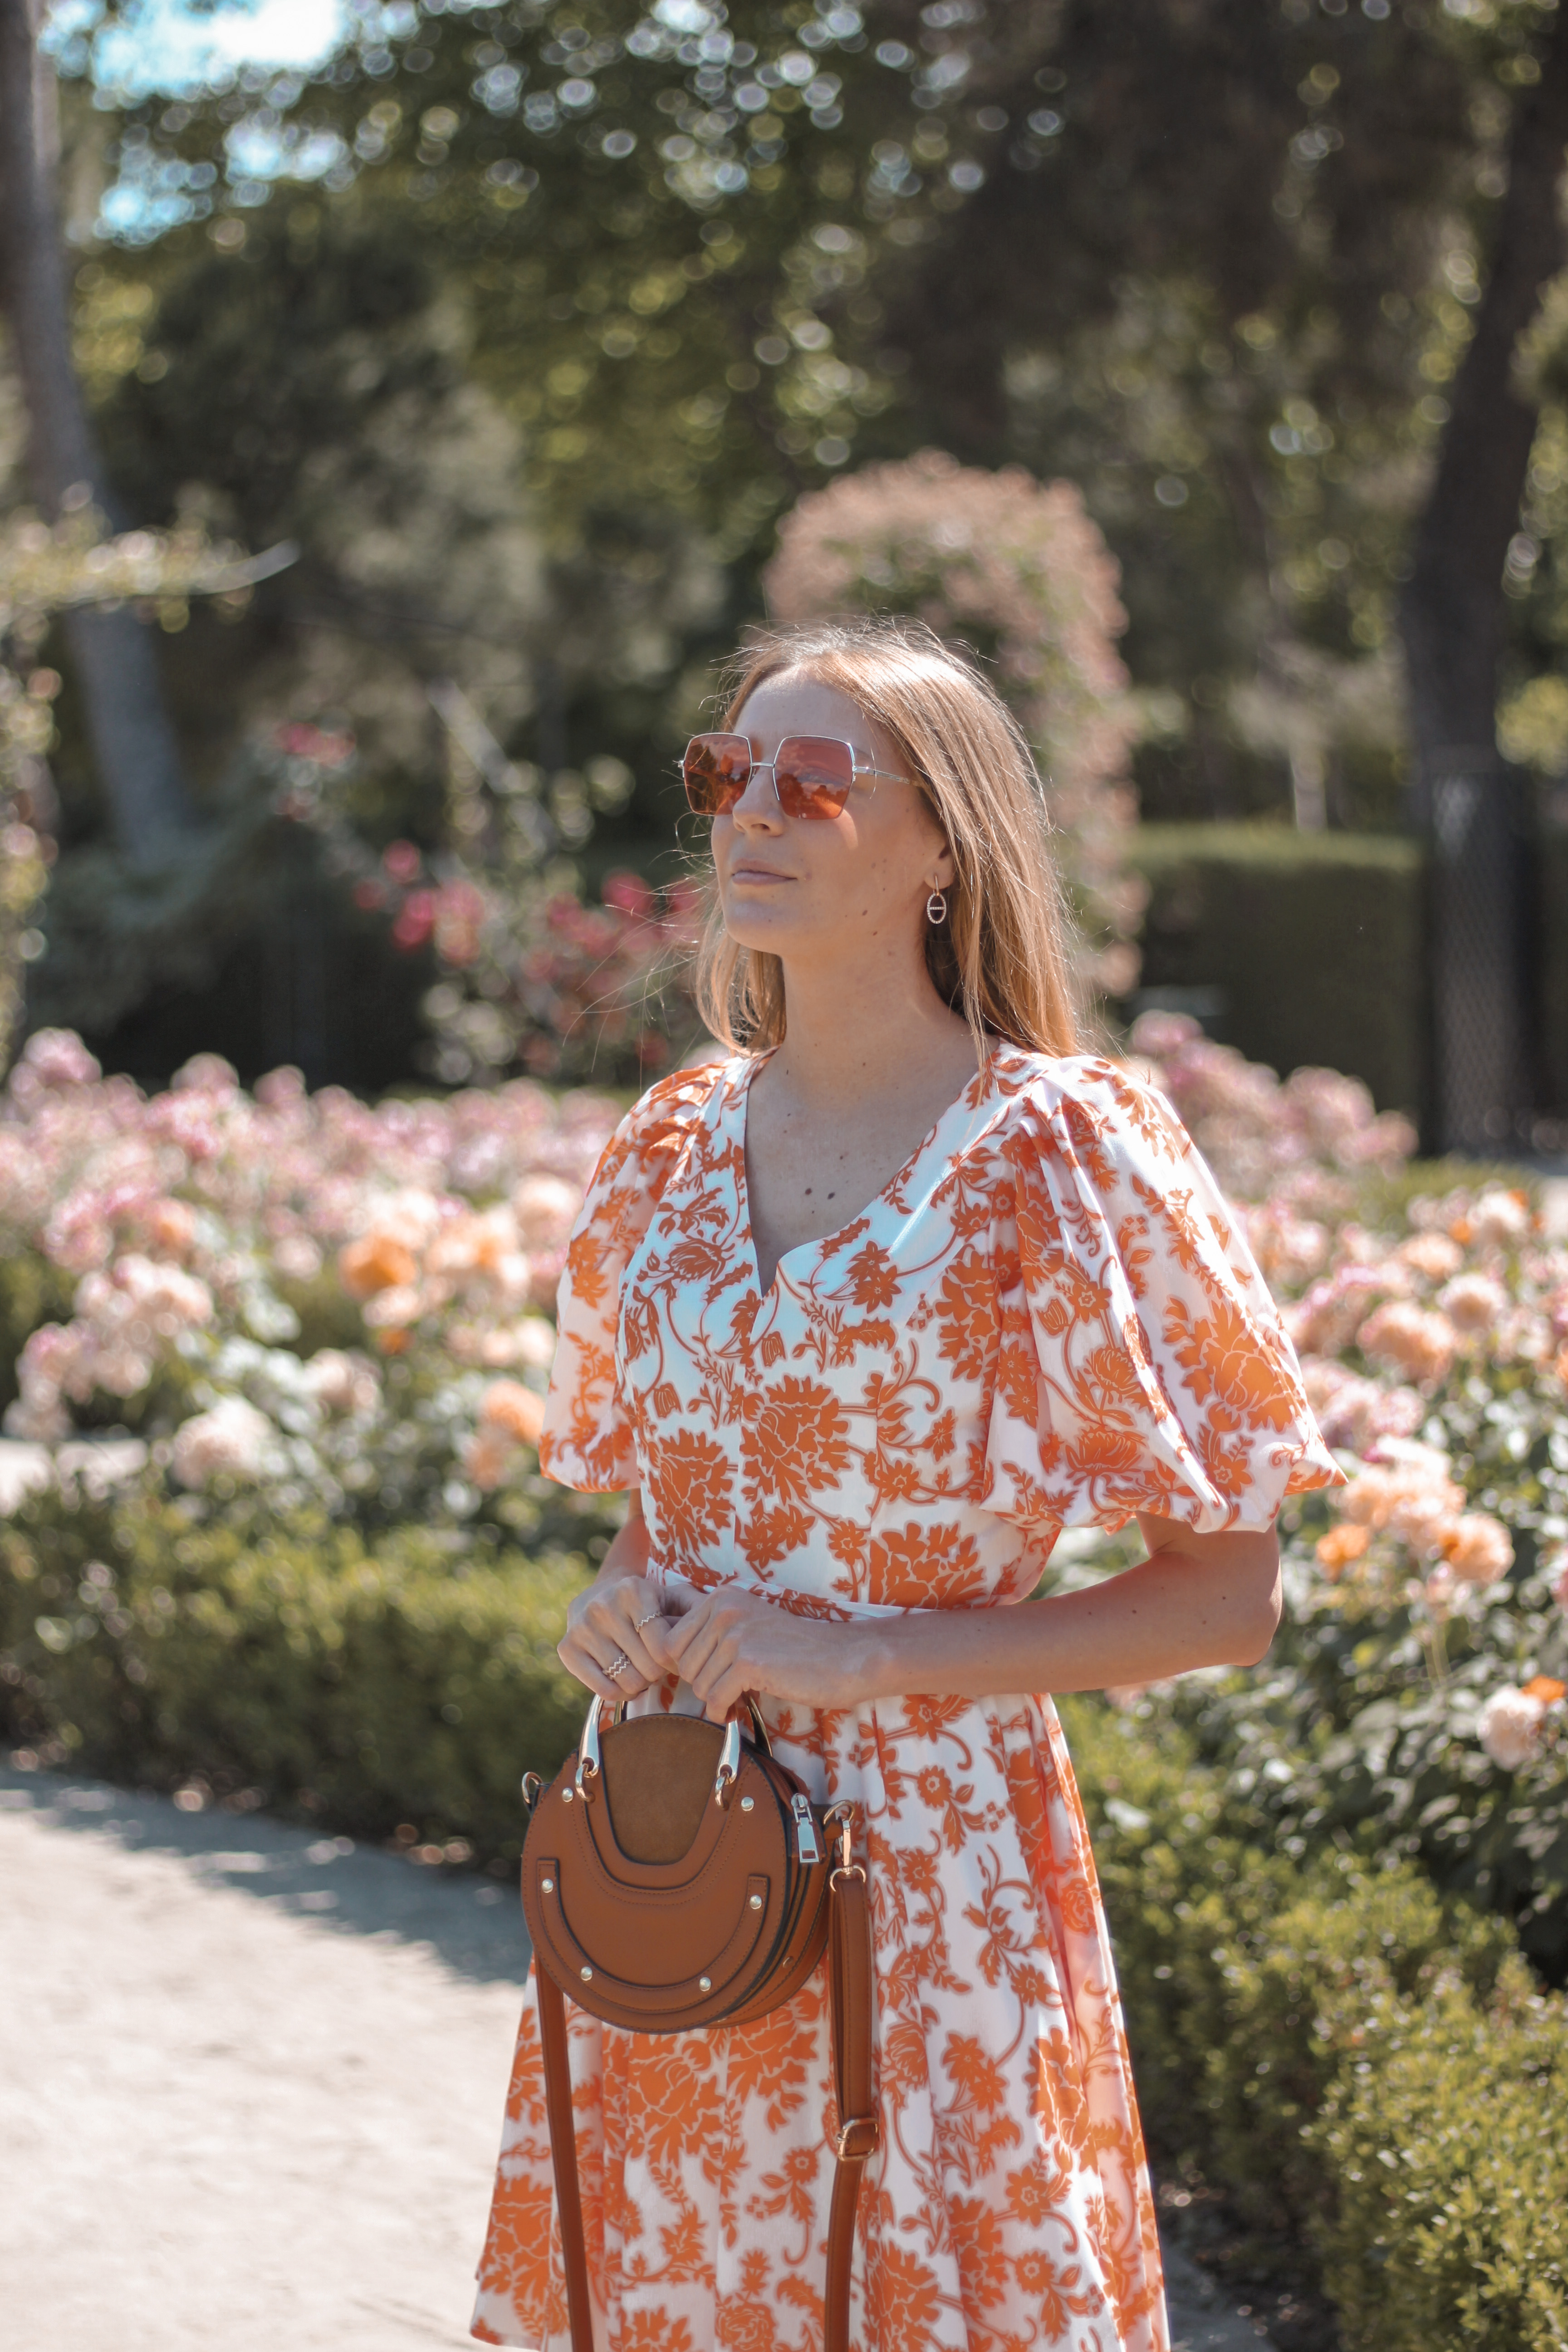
(472, 1924)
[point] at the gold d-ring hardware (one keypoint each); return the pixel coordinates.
(842, 1816)
(865, 2131)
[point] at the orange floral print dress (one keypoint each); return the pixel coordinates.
(1047, 1319)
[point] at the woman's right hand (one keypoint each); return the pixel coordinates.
(606, 1623)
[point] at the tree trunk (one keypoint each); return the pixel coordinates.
(112, 654)
(1451, 619)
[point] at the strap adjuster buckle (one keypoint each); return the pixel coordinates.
(858, 2139)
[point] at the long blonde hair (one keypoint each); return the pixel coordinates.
(1002, 957)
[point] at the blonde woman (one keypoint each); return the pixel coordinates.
(858, 1319)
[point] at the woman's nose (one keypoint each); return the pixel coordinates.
(759, 803)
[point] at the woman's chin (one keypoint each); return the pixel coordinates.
(770, 930)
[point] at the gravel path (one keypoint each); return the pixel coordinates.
(251, 2084)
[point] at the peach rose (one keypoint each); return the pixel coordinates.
(1478, 1547)
(1508, 1728)
(1418, 1342)
(1340, 1546)
(1499, 1219)
(487, 1457)
(1474, 1303)
(507, 1406)
(545, 1208)
(378, 1262)
(1432, 1255)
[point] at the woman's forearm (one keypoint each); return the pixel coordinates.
(1182, 1608)
(1196, 1601)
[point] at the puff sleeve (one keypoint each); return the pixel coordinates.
(587, 1439)
(1143, 1366)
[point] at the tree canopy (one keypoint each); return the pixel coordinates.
(1216, 265)
(529, 320)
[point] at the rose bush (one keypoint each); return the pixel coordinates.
(301, 1295)
(1020, 571)
(1415, 1700)
(279, 1369)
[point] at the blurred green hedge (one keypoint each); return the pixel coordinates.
(1552, 929)
(1312, 942)
(1308, 947)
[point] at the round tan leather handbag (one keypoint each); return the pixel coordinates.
(676, 1875)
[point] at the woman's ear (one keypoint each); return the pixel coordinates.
(941, 872)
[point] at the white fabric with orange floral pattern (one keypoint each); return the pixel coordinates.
(1046, 1318)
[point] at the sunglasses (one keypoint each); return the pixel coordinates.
(812, 775)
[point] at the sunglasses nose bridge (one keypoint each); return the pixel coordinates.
(756, 769)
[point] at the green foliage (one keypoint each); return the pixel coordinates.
(45, 571)
(410, 1678)
(32, 1291)
(1452, 2175)
(1362, 2069)
(1313, 941)
(1247, 1973)
(1347, 1737)
(1551, 932)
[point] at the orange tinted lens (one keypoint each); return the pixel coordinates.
(813, 776)
(716, 769)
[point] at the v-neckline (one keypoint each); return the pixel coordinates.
(743, 1182)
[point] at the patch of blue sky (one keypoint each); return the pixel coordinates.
(171, 48)
(179, 49)
(154, 191)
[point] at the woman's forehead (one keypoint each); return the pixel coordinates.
(794, 704)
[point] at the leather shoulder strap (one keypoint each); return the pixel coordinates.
(851, 1987)
(563, 2155)
(851, 1984)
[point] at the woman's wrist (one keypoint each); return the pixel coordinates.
(872, 1668)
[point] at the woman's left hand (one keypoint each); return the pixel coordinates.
(725, 1644)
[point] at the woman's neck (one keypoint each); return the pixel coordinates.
(849, 1035)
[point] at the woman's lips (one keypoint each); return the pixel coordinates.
(756, 873)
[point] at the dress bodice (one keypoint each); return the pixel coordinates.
(1046, 1318)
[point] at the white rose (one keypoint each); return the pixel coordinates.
(232, 1441)
(1508, 1728)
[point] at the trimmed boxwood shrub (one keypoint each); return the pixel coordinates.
(1450, 2168)
(1299, 2026)
(1314, 941)
(364, 1682)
